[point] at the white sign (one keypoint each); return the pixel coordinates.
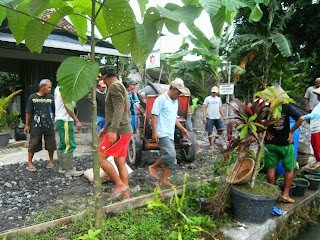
(153, 60)
(226, 89)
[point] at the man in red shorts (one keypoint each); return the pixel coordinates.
(116, 134)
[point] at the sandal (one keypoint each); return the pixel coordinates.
(286, 200)
(50, 165)
(31, 169)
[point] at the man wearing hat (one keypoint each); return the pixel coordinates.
(311, 98)
(212, 113)
(116, 133)
(133, 101)
(164, 119)
(314, 116)
(101, 102)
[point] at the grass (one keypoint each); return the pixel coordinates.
(259, 189)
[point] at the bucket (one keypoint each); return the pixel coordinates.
(314, 181)
(312, 171)
(280, 183)
(280, 170)
(301, 187)
(242, 172)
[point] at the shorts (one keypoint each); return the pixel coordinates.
(218, 123)
(35, 143)
(67, 142)
(275, 154)
(118, 149)
(167, 152)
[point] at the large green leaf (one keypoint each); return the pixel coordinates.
(119, 18)
(18, 22)
(233, 5)
(37, 6)
(146, 35)
(256, 14)
(77, 77)
(201, 37)
(3, 14)
(6, 1)
(178, 55)
(191, 2)
(57, 4)
(80, 24)
(37, 32)
(282, 43)
(218, 20)
(172, 26)
(138, 57)
(211, 6)
(183, 14)
(190, 65)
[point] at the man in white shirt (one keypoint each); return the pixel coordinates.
(212, 113)
(311, 97)
(65, 120)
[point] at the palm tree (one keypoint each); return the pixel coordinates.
(270, 40)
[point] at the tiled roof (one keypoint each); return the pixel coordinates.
(63, 22)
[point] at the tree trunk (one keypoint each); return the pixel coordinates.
(94, 126)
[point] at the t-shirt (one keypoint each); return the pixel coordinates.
(61, 112)
(314, 117)
(281, 130)
(101, 103)
(132, 101)
(194, 104)
(213, 107)
(42, 113)
(117, 109)
(166, 110)
(313, 99)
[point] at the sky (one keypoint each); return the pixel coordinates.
(170, 42)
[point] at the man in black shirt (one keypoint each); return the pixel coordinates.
(40, 121)
(279, 143)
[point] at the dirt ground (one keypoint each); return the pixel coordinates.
(27, 197)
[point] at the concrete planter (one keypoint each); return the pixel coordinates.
(4, 138)
(252, 208)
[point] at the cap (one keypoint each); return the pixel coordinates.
(108, 71)
(178, 84)
(102, 84)
(215, 89)
(317, 80)
(316, 91)
(133, 82)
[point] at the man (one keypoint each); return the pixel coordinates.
(311, 97)
(279, 145)
(163, 121)
(133, 101)
(314, 116)
(101, 103)
(40, 122)
(212, 113)
(65, 120)
(116, 134)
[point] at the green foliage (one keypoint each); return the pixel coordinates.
(91, 235)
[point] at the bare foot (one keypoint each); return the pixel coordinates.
(166, 183)
(119, 191)
(153, 172)
(126, 195)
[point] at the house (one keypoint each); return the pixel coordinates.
(24, 70)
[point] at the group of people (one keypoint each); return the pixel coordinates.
(46, 113)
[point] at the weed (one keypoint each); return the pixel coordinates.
(91, 235)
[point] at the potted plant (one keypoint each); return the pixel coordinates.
(250, 203)
(8, 121)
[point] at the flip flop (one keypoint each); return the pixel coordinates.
(31, 169)
(286, 200)
(276, 211)
(50, 165)
(120, 194)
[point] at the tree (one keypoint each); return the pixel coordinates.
(114, 19)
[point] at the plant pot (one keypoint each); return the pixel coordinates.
(280, 183)
(301, 187)
(312, 171)
(4, 138)
(242, 171)
(253, 208)
(314, 181)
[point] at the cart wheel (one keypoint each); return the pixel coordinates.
(189, 154)
(134, 151)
